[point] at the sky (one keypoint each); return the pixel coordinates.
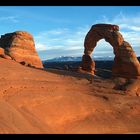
(60, 30)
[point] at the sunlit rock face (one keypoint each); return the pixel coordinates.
(2, 54)
(20, 47)
(125, 62)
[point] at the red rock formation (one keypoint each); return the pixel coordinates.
(20, 47)
(88, 64)
(3, 55)
(125, 61)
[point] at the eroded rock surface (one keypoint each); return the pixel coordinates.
(20, 47)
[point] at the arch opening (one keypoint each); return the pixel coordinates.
(103, 50)
(103, 56)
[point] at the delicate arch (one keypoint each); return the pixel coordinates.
(125, 61)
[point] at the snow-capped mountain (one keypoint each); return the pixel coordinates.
(72, 58)
(64, 59)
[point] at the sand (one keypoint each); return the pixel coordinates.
(34, 101)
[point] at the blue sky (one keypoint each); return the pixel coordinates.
(60, 30)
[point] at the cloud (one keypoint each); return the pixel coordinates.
(61, 41)
(9, 18)
(65, 41)
(40, 47)
(58, 31)
(129, 28)
(131, 22)
(55, 47)
(127, 19)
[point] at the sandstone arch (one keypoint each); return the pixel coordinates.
(125, 62)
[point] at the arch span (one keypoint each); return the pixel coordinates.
(125, 62)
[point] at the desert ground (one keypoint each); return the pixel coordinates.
(34, 101)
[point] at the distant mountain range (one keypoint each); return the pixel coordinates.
(71, 58)
(74, 62)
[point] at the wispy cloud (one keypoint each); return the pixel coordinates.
(61, 41)
(40, 47)
(129, 28)
(9, 19)
(65, 41)
(131, 22)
